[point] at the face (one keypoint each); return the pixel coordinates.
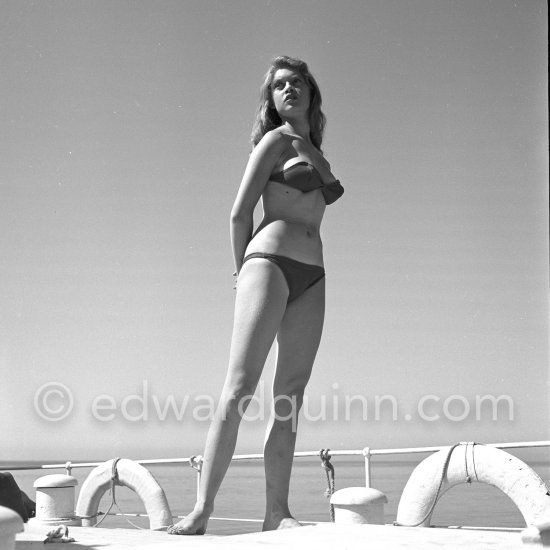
(290, 93)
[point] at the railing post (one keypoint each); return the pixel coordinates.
(196, 463)
(366, 454)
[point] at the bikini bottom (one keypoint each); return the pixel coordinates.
(299, 276)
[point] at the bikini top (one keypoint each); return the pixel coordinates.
(305, 177)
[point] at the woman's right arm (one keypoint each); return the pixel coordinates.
(258, 170)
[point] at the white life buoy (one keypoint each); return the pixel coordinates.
(127, 473)
(472, 462)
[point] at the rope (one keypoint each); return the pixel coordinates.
(58, 534)
(468, 476)
(196, 462)
(329, 470)
(441, 480)
(474, 459)
(114, 483)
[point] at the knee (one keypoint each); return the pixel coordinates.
(236, 398)
(293, 387)
(288, 401)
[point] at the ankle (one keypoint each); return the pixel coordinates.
(278, 511)
(204, 507)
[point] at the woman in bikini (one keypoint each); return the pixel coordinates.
(281, 286)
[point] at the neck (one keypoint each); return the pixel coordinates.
(298, 127)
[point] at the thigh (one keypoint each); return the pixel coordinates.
(298, 339)
(260, 304)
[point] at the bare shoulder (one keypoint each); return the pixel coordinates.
(272, 145)
(274, 139)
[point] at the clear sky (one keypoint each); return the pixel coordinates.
(125, 130)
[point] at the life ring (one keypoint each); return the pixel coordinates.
(467, 462)
(126, 473)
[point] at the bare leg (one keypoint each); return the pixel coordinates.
(259, 307)
(298, 340)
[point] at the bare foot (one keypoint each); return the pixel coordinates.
(273, 523)
(193, 524)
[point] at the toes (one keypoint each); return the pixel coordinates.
(175, 530)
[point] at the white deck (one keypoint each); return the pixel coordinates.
(321, 536)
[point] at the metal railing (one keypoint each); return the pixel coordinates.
(196, 461)
(366, 452)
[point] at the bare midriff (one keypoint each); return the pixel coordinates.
(291, 224)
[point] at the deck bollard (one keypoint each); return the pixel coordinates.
(358, 505)
(55, 500)
(11, 523)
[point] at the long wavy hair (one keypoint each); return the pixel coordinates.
(267, 117)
